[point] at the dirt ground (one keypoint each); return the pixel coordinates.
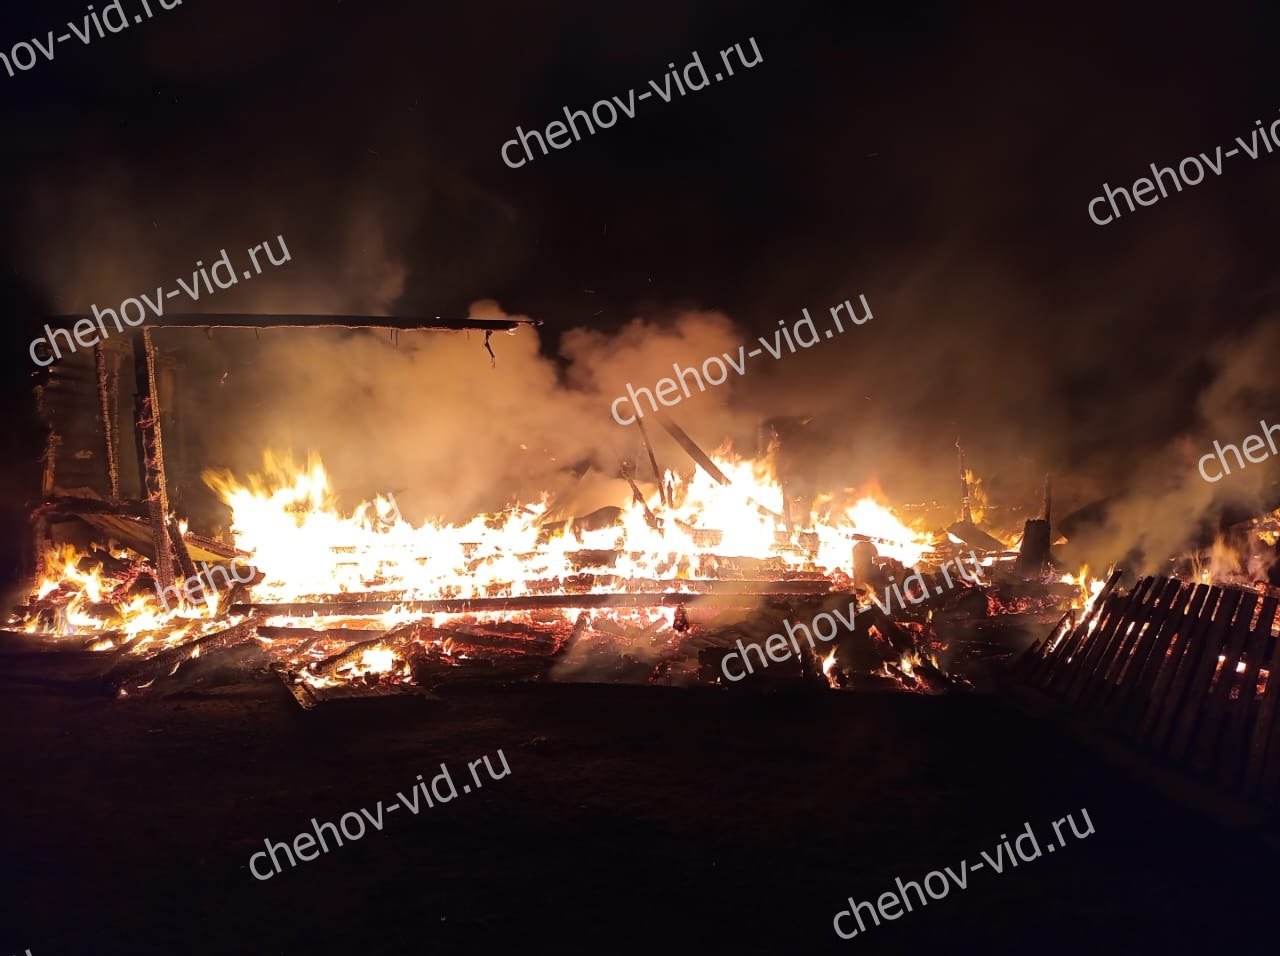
(634, 819)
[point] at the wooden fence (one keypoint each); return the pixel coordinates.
(1190, 673)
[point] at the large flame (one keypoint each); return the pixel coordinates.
(289, 522)
(1088, 585)
(308, 549)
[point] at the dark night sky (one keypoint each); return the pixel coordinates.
(938, 160)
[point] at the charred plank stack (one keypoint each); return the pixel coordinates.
(1189, 672)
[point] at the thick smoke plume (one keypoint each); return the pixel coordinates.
(1169, 506)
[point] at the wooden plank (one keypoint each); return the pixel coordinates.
(150, 448)
(135, 533)
(1098, 654)
(1058, 663)
(1095, 604)
(1158, 672)
(1270, 787)
(653, 463)
(816, 587)
(1136, 678)
(1063, 661)
(1056, 656)
(1259, 770)
(391, 640)
(1126, 636)
(185, 565)
(1108, 622)
(691, 447)
(1193, 702)
(531, 602)
(1034, 659)
(351, 635)
(215, 320)
(108, 376)
(1192, 648)
(169, 659)
(1129, 663)
(1239, 727)
(69, 506)
(294, 684)
(1219, 689)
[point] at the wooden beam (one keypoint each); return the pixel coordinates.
(1240, 730)
(1191, 649)
(1266, 728)
(533, 602)
(1169, 660)
(108, 374)
(1218, 694)
(169, 659)
(196, 320)
(1197, 690)
(390, 640)
(653, 463)
(68, 506)
(1164, 593)
(689, 445)
(150, 444)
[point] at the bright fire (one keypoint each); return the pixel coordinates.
(1089, 587)
(308, 550)
(289, 522)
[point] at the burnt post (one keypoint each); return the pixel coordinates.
(1033, 554)
(1037, 537)
(150, 446)
(107, 369)
(965, 514)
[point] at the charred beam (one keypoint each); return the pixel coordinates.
(108, 374)
(168, 660)
(151, 453)
(689, 445)
(69, 506)
(653, 462)
(390, 641)
(185, 564)
(526, 603)
(320, 633)
(192, 320)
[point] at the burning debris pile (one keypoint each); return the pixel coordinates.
(679, 567)
(644, 590)
(692, 574)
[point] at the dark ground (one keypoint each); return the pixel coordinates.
(648, 820)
